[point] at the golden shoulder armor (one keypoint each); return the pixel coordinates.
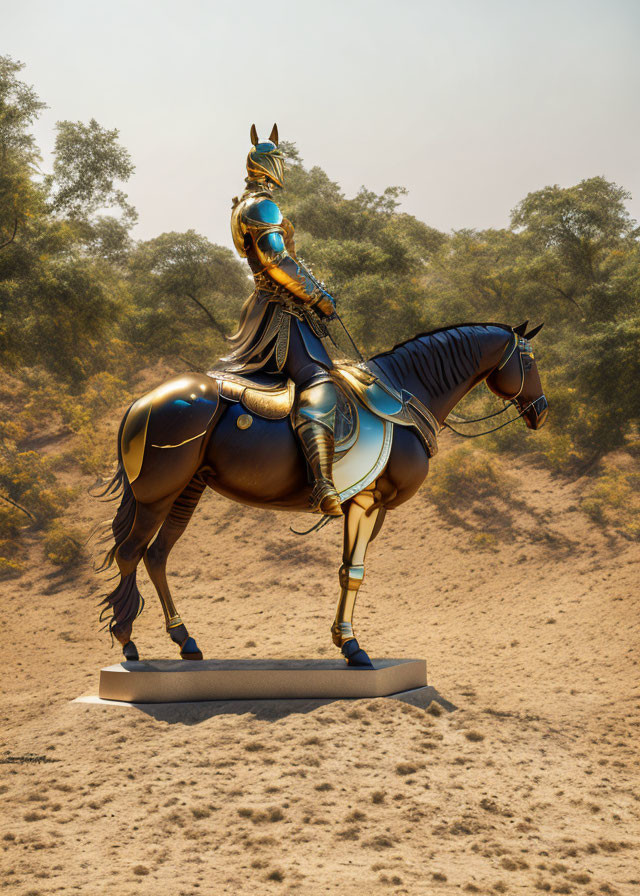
(247, 216)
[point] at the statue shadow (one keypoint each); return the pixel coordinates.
(193, 713)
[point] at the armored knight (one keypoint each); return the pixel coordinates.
(282, 323)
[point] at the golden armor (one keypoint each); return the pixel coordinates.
(282, 322)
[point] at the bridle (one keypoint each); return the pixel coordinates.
(523, 347)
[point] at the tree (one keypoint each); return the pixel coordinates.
(58, 293)
(576, 238)
(19, 108)
(184, 286)
(88, 160)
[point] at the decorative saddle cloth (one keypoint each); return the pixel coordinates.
(366, 413)
(272, 396)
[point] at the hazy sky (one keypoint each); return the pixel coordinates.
(470, 104)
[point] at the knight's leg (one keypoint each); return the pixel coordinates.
(358, 530)
(308, 365)
(155, 559)
(313, 421)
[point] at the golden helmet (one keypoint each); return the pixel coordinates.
(266, 161)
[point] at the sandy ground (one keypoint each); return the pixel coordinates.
(531, 785)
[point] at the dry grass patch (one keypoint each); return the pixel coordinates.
(201, 812)
(351, 833)
(381, 841)
(474, 736)
(406, 768)
(259, 816)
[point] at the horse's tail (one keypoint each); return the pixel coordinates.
(118, 485)
(125, 602)
(123, 520)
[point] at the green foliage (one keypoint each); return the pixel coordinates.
(19, 108)
(59, 289)
(614, 500)
(88, 160)
(572, 259)
(63, 547)
(27, 480)
(187, 293)
(466, 475)
(9, 568)
(20, 196)
(10, 522)
(472, 491)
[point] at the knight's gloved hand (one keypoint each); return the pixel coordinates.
(332, 299)
(324, 306)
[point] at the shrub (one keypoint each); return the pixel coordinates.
(11, 521)
(466, 476)
(613, 501)
(26, 477)
(63, 547)
(10, 568)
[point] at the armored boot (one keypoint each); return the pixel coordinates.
(313, 421)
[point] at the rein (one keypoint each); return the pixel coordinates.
(476, 435)
(460, 421)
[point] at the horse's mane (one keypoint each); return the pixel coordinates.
(441, 359)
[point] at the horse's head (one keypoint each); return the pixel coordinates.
(516, 378)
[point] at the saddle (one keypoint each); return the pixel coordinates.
(272, 396)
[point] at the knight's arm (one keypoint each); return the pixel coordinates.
(272, 237)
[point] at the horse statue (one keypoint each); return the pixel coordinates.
(234, 434)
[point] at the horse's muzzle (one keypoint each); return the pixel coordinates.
(536, 414)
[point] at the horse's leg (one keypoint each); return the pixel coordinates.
(360, 522)
(125, 601)
(155, 559)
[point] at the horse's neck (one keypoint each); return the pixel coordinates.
(492, 342)
(492, 347)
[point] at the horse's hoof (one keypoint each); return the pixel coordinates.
(355, 655)
(130, 652)
(190, 650)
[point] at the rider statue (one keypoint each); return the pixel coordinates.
(282, 323)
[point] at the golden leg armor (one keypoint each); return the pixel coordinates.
(313, 421)
(358, 529)
(317, 444)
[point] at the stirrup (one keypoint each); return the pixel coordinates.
(324, 497)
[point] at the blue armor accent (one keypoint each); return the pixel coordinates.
(266, 211)
(273, 241)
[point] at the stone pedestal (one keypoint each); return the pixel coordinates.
(179, 681)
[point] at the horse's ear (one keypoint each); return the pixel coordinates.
(254, 135)
(520, 330)
(534, 332)
(273, 136)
